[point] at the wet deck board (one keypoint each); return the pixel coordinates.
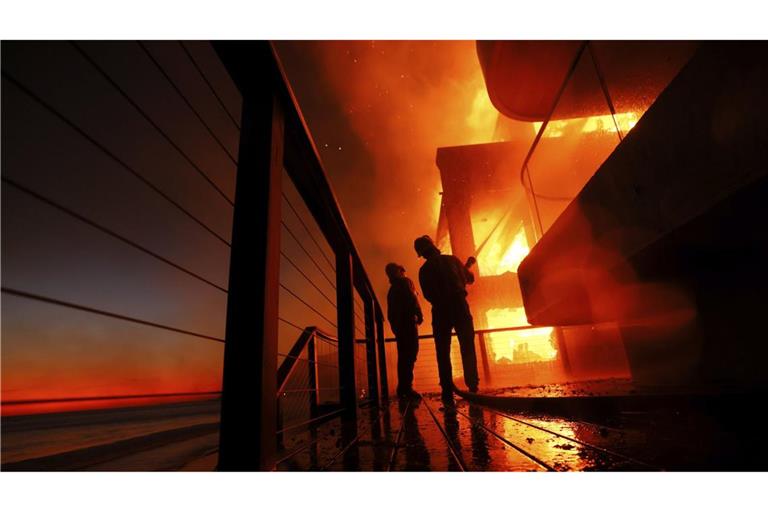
(477, 448)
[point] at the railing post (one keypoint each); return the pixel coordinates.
(370, 348)
(382, 355)
(484, 357)
(313, 395)
(248, 437)
(346, 327)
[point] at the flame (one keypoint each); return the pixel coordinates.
(526, 346)
(494, 260)
(625, 120)
(482, 117)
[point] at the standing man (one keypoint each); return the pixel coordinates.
(404, 315)
(443, 281)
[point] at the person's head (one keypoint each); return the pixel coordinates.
(394, 271)
(425, 247)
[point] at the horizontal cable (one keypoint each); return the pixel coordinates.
(333, 343)
(209, 84)
(290, 323)
(307, 278)
(319, 336)
(306, 228)
(186, 101)
(308, 422)
(307, 304)
(305, 390)
(26, 90)
(288, 356)
(141, 111)
(42, 298)
(109, 232)
(308, 254)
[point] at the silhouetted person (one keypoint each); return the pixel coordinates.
(443, 280)
(404, 315)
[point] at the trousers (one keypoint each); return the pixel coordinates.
(447, 317)
(407, 338)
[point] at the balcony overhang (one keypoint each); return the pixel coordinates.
(523, 77)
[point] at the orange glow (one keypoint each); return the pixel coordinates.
(625, 120)
(482, 118)
(525, 346)
(495, 259)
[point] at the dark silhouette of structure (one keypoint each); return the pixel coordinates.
(404, 315)
(443, 281)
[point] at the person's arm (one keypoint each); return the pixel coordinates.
(391, 307)
(469, 277)
(415, 307)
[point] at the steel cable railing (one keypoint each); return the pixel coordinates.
(307, 304)
(151, 121)
(312, 259)
(72, 305)
(309, 232)
(313, 391)
(491, 371)
(8, 76)
(100, 227)
(303, 385)
(307, 278)
(310, 392)
(186, 101)
(208, 83)
(12, 183)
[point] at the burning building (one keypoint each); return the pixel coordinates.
(567, 110)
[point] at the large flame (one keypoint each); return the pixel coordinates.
(525, 346)
(482, 117)
(625, 121)
(495, 259)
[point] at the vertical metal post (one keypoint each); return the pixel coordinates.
(313, 394)
(382, 354)
(248, 403)
(346, 325)
(370, 347)
(484, 356)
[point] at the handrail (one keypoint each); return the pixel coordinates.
(477, 332)
(288, 365)
(544, 124)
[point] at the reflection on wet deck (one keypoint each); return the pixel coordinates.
(426, 435)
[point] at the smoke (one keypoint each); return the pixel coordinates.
(378, 111)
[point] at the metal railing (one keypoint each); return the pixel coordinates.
(493, 373)
(307, 383)
(171, 149)
(274, 137)
(96, 178)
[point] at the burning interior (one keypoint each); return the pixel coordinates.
(499, 198)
